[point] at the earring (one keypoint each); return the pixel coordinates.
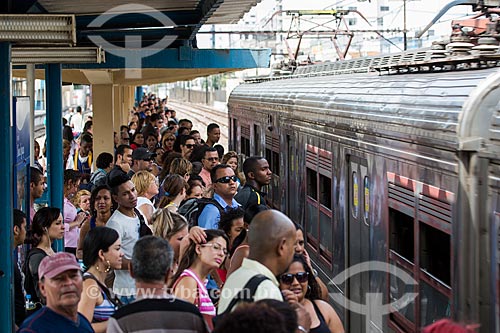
(107, 268)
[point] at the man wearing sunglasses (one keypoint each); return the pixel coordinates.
(225, 186)
(142, 160)
(187, 145)
(210, 160)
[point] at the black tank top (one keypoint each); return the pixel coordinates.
(322, 327)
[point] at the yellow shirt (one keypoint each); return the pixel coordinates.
(267, 289)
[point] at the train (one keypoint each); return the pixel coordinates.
(393, 159)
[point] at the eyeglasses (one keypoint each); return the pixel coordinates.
(216, 247)
(287, 278)
(189, 146)
(227, 179)
(211, 159)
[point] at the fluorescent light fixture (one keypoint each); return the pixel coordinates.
(38, 29)
(59, 55)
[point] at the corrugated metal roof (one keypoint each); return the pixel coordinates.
(97, 7)
(231, 11)
(144, 18)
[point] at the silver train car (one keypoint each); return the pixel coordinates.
(398, 169)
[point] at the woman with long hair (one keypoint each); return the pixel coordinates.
(174, 189)
(301, 249)
(231, 159)
(72, 219)
(101, 253)
(147, 187)
(47, 226)
(231, 222)
(137, 140)
(66, 152)
(299, 279)
(196, 263)
(101, 209)
(167, 141)
(181, 167)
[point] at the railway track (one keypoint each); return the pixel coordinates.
(201, 116)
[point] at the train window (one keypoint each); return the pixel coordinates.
(366, 199)
(235, 133)
(245, 146)
(269, 158)
(325, 191)
(256, 140)
(401, 234)
(325, 227)
(399, 289)
(312, 185)
(433, 304)
(276, 163)
(312, 221)
(355, 194)
(435, 252)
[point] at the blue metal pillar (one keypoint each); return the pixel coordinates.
(138, 95)
(55, 170)
(6, 198)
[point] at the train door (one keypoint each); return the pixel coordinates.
(358, 238)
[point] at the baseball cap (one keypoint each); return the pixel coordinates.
(56, 264)
(142, 154)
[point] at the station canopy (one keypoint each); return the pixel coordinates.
(150, 41)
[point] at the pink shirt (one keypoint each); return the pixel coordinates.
(70, 235)
(205, 175)
(205, 304)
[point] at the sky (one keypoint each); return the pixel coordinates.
(419, 14)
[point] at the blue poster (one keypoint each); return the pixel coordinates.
(21, 132)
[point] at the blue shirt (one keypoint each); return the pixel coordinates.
(47, 321)
(210, 216)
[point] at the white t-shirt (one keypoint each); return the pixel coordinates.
(144, 201)
(77, 122)
(128, 229)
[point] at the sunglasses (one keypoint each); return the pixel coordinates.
(227, 179)
(189, 146)
(287, 278)
(170, 139)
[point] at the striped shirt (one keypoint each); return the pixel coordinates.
(159, 315)
(203, 301)
(103, 311)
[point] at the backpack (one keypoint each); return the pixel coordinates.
(29, 281)
(244, 295)
(193, 207)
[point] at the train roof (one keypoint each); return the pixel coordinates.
(426, 108)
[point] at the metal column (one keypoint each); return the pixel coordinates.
(55, 170)
(30, 82)
(6, 198)
(138, 94)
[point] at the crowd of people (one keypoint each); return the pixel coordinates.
(172, 235)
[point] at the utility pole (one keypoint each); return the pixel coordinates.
(405, 41)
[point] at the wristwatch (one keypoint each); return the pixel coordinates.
(302, 329)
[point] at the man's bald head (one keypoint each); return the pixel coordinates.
(271, 237)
